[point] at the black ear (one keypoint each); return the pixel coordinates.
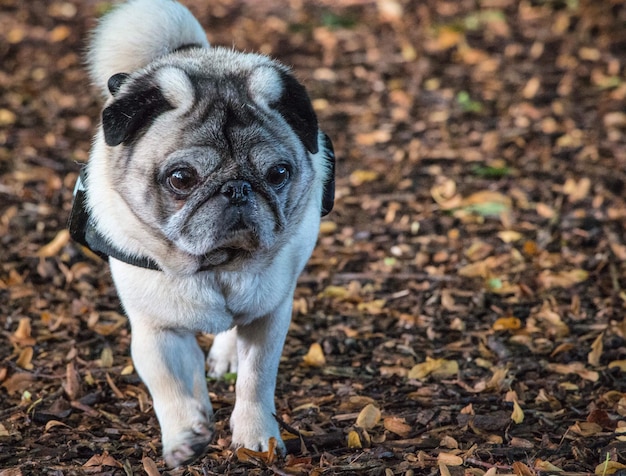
(127, 115)
(115, 82)
(328, 197)
(295, 106)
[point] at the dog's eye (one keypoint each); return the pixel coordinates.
(278, 175)
(182, 181)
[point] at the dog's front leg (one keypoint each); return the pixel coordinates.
(259, 346)
(172, 366)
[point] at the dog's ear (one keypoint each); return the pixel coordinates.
(126, 115)
(136, 103)
(296, 108)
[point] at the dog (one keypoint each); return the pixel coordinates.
(204, 189)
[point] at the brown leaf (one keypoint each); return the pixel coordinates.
(593, 358)
(25, 358)
(71, 384)
(520, 469)
(53, 248)
(105, 459)
(398, 426)
(22, 335)
(150, 467)
(562, 279)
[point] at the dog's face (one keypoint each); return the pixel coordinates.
(212, 151)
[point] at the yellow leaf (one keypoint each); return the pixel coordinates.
(507, 324)
(585, 428)
(609, 467)
(315, 356)
(354, 441)
(438, 368)
(369, 417)
(518, 414)
(359, 177)
(335, 292)
(593, 358)
(328, 227)
(510, 236)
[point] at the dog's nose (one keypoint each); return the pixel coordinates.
(237, 191)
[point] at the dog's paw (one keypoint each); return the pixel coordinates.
(222, 358)
(253, 430)
(188, 445)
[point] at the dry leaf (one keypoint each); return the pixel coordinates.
(246, 455)
(315, 356)
(52, 423)
(71, 384)
(609, 467)
(518, 414)
(509, 323)
(449, 459)
(150, 467)
(22, 335)
(398, 426)
(546, 466)
(575, 368)
(354, 440)
(562, 279)
(593, 358)
(3, 430)
(520, 469)
(105, 459)
(438, 368)
(25, 358)
(53, 248)
(368, 417)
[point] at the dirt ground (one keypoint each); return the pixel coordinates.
(464, 311)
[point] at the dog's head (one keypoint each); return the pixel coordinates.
(218, 153)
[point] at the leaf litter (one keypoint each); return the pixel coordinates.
(463, 312)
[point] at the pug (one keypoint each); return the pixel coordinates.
(204, 189)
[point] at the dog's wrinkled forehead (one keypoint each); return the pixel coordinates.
(137, 100)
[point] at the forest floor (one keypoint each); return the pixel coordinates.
(464, 311)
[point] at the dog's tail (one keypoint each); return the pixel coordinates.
(136, 33)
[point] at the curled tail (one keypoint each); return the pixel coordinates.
(138, 32)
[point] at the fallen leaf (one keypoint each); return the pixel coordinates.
(593, 358)
(546, 466)
(22, 335)
(609, 467)
(150, 467)
(368, 417)
(518, 414)
(25, 358)
(437, 368)
(398, 426)
(449, 459)
(105, 459)
(52, 423)
(354, 440)
(315, 356)
(509, 323)
(520, 469)
(53, 248)
(562, 279)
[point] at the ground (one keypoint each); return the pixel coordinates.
(463, 312)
